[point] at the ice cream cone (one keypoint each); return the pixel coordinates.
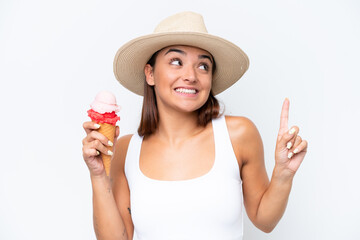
(108, 131)
(103, 111)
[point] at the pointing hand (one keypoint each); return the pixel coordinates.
(290, 148)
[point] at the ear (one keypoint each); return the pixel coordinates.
(149, 74)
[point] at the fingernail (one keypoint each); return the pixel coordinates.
(96, 125)
(296, 150)
(97, 153)
(290, 154)
(110, 153)
(292, 131)
(110, 143)
(289, 144)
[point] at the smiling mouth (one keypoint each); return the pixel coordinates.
(186, 90)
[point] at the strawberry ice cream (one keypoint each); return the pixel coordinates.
(104, 108)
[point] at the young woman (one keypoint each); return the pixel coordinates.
(189, 170)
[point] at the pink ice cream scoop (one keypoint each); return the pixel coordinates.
(104, 102)
(104, 108)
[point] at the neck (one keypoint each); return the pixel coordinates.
(176, 127)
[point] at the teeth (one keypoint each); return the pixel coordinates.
(183, 90)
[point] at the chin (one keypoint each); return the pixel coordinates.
(189, 108)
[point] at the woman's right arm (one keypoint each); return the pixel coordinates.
(107, 220)
(108, 224)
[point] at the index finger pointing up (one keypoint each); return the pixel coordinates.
(284, 117)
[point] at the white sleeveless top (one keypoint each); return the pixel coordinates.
(207, 207)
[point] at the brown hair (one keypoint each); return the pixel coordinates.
(150, 114)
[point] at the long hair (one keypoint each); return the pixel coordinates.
(150, 114)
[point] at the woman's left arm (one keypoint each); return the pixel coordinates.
(265, 201)
(290, 151)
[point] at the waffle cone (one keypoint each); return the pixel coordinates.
(108, 131)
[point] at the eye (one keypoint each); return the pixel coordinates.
(204, 66)
(175, 61)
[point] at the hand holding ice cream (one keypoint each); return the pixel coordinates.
(103, 112)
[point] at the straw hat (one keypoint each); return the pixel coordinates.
(185, 28)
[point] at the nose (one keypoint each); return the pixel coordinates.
(190, 75)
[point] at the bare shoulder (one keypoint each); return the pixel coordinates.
(123, 142)
(241, 128)
(244, 136)
(239, 124)
(120, 150)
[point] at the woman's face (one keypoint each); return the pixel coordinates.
(181, 77)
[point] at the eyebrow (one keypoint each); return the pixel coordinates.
(184, 53)
(175, 50)
(205, 56)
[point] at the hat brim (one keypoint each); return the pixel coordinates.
(131, 58)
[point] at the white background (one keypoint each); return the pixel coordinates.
(56, 55)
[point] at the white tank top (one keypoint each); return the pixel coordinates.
(207, 207)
